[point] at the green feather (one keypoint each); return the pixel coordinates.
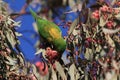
(33, 14)
(50, 32)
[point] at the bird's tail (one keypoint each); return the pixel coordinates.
(33, 14)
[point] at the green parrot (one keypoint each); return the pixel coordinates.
(50, 32)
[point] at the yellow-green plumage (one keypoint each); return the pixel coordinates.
(50, 32)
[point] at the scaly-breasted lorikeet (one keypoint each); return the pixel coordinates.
(50, 33)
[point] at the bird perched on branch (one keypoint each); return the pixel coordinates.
(50, 33)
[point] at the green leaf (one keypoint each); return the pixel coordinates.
(54, 76)
(112, 2)
(11, 61)
(18, 34)
(88, 54)
(102, 53)
(11, 37)
(72, 72)
(35, 72)
(110, 41)
(118, 16)
(73, 25)
(102, 21)
(110, 31)
(60, 70)
(21, 59)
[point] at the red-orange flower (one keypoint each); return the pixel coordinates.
(104, 8)
(95, 14)
(51, 54)
(1, 18)
(110, 24)
(42, 67)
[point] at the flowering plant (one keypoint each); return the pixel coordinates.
(92, 52)
(99, 37)
(13, 65)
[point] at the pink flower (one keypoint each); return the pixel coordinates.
(42, 68)
(32, 77)
(118, 3)
(104, 8)
(116, 11)
(2, 18)
(105, 16)
(95, 14)
(110, 24)
(8, 50)
(51, 54)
